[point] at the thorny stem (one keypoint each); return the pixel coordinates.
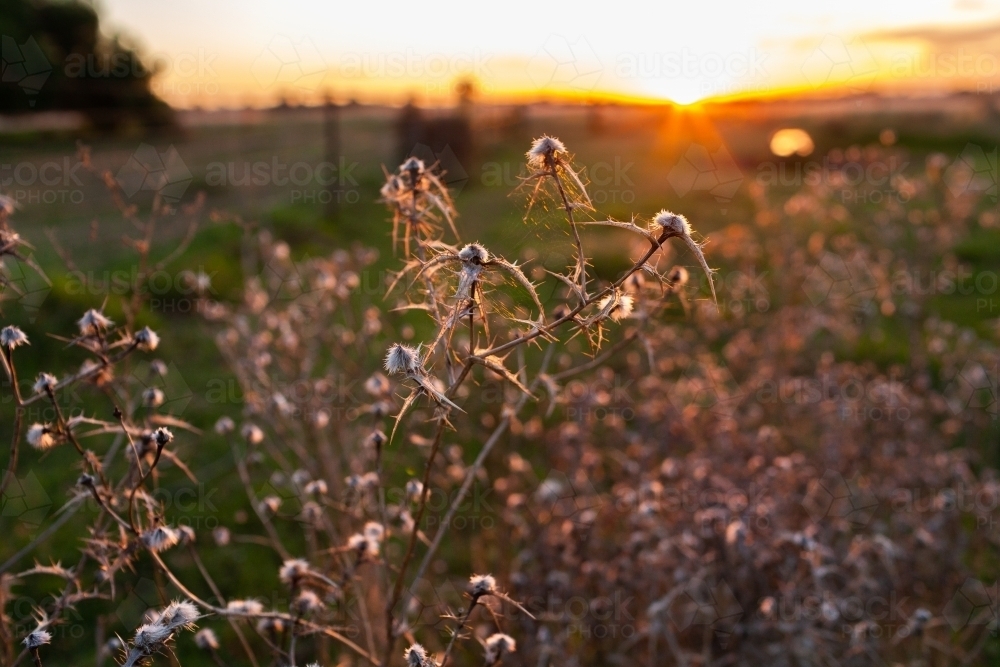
(470, 475)
(398, 586)
(312, 627)
(458, 630)
(581, 270)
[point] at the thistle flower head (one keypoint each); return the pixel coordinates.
(402, 359)
(162, 436)
(363, 545)
(160, 538)
(374, 531)
(40, 436)
(618, 306)
(678, 276)
(378, 385)
(146, 339)
(292, 570)
(150, 637)
(270, 504)
(244, 607)
(376, 439)
(224, 425)
(474, 253)
(316, 487)
(416, 656)
(499, 645)
(153, 397)
(412, 164)
(544, 148)
(37, 638)
(482, 584)
(307, 602)
(46, 382)
(674, 223)
(178, 615)
(11, 337)
(206, 640)
(93, 321)
(414, 489)
(252, 433)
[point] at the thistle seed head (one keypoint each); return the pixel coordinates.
(162, 436)
(499, 645)
(179, 615)
(160, 538)
(245, 607)
(482, 584)
(11, 337)
(544, 148)
(146, 339)
(224, 425)
(37, 638)
(475, 253)
(46, 382)
(40, 436)
(416, 656)
(675, 224)
(92, 322)
(293, 570)
(402, 359)
(307, 602)
(206, 640)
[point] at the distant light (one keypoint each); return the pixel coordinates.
(791, 141)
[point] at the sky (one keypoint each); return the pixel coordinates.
(233, 53)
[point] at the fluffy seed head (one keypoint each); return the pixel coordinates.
(160, 538)
(482, 584)
(413, 164)
(40, 436)
(224, 425)
(542, 148)
(497, 646)
(416, 656)
(293, 570)
(245, 607)
(162, 436)
(474, 253)
(178, 615)
(252, 433)
(363, 545)
(151, 636)
(678, 276)
(92, 322)
(146, 339)
(402, 359)
(45, 383)
(374, 531)
(37, 638)
(307, 602)
(206, 640)
(316, 487)
(621, 308)
(11, 337)
(378, 385)
(153, 397)
(672, 222)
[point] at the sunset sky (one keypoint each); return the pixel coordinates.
(228, 53)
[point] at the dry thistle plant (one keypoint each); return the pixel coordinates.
(339, 520)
